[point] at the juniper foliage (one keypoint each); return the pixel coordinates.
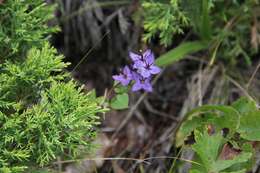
(231, 28)
(23, 25)
(165, 18)
(43, 113)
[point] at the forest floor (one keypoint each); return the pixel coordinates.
(147, 128)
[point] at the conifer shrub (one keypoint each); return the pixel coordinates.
(43, 112)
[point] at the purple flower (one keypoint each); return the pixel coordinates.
(124, 77)
(145, 63)
(141, 83)
(143, 68)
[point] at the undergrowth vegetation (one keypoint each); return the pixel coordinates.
(224, 33)
(224, 136)
(225, 26)
(44, 114)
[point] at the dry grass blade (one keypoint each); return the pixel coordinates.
(253, 76)
(239, 87)
(86, 55)
(139, 161)
(197, 91)
(157, 112)
(104, 159)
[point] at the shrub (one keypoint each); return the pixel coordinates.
(43, 113)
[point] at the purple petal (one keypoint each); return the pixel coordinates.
(147, 87)
(138, 64)
(149, 56)
(127, 72)
(144, 72)
(121, 79)
(118, 77)
(125, 82)
(154, 69)
(137, 86)
(134, 57)
(136, 76)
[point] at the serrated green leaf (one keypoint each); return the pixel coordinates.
(218, 115)
(120, 101)
(180, 52)
(190, 125)
(207, 147)
(229, 115)
(249, 126)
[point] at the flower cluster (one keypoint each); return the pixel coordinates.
(141, 71)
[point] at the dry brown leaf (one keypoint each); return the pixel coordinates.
(211, 129)
(228, 152)
(255, 144)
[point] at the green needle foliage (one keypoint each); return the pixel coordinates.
(23, 25)
(43, 113)
(166, 18)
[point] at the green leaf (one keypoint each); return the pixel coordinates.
(220, 165)
(229, 115)
(180, 52)
(207, 147)
(249, 126)
(218, 115)
(199, 14)
(195, 171)
(205, 28)
(241, 171)
(190, 125)
(244, 105)
(121, 89)
(120, 101)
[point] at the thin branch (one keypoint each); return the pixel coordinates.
(154, 111)
(89, 51)
(145, 160)
(253, 76)
(240, 87)
(104, 159)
